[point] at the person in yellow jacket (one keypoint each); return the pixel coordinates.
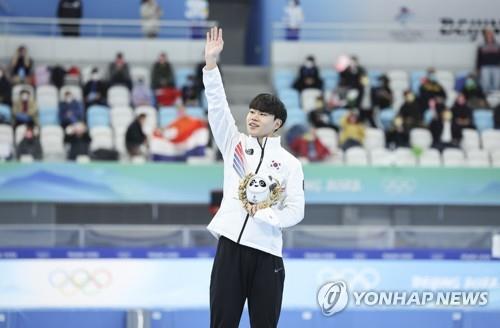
(352, 131)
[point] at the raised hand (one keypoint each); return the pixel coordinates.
(213, 46)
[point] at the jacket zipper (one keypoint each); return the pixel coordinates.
(256, 171)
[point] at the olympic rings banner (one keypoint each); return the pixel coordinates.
(186, 184)
(183, 283)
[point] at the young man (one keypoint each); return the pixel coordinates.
(263, 194)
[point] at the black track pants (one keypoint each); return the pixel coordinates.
(240, 272)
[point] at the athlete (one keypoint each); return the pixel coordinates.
(263, 194)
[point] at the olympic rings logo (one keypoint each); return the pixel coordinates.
(80, 281)
(357, 279)
(399, 186)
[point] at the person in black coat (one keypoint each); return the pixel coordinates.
(69, 9)
(462, 116)
(30, 144)
(308, 77)
(94, 91)
(135, 137)
(78, 138)
(5, 89)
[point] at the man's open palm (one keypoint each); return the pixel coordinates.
(214, 44)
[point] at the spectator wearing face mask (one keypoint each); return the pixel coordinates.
(78, 138)
(397, 135)
(308, 76)
(162, 73)
(30, 144)
(473, 93)
(70, 110)
(352, 131)
(444, 132)
(119, 73)
(354, 77)
(94, 91)
(5, 88)
(410, 113)
(320, 117)
(431, 89)
(141, 94)
(462, 116)
(25, 110)
(22, 67)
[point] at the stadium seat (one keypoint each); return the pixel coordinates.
(494, 99)
(483, 118)
(495, 158)
(387, 117)
(196, 112)
(421, 138)
(290, 97)
(491, 140)
(138, 72)
(48, 116)
(97, 115)
(470, 140)
(5, 113)
(404, 157)
(381, 157)
(308, 99)
(416, 78)
(374, 139)
(430, 158)
(356, 156)
(451, 97)
(6, 141)
(283, 78)
(119, 139)
(102, 138)
(52, 141)
(181, 75)
(76, 91)
(337, 115)
(167, 115)
(118, 95)
(295, 117)
(453, 157)
(446, 79)
(328, 137)
(477, 158)
(47, 96)
(121, 116)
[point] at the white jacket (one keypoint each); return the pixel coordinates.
(242, 155)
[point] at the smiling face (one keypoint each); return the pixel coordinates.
(261, 124)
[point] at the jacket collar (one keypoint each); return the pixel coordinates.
(267, 143)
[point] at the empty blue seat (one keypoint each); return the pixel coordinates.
(295, 117)
(48, 116)
(196, 112)
(98, 116)
(338, 114)
(387, 117)
(290, 97)
(167, 115)
(483, 118)
(5, 112)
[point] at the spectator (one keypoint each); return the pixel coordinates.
(381, 93)
(320, 117)
(141, 94)
(5, 88)
(119, 73)
(30, 144)
(310, 147)
(410, 112)
(488, 61)
(431, 89)
(294, 16)
(22, 67)
(135, 139)
(474, 93)
(397, 135)
(352, 131)
(308, 76)
(150, 14)
(69, 10)
(496, 117)
(78, 138)
(353, 77)
(70, 110)
(94, 91)
(444, 133)
(462, 116)
(24, 110)
(190, 92)
(162, 75)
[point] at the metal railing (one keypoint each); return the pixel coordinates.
(184, 236)
(100, 27)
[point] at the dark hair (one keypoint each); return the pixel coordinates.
(141, 116)
(271, 104)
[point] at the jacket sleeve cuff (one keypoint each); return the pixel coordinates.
(268, 216)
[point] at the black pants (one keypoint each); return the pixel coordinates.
(239, 273)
